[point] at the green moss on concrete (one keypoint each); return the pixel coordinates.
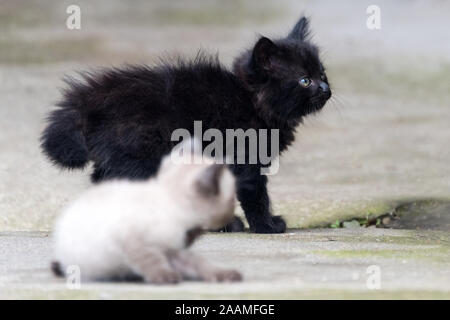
(421, 240)
(429, 253)
(325, 213)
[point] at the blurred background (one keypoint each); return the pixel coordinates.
(381, 145)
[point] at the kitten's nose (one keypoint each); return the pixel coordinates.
(324, 87)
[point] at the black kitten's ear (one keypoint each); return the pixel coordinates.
(263, 50)
(209, 180)
(300, 31)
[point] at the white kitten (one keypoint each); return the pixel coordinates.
(123, 229)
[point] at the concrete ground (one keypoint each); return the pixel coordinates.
(380, 148)
(319, 263)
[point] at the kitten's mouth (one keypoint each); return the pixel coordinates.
(311, 107)
(317, 103)
(316, 106)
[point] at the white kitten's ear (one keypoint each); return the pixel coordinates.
(208, 181)
(186, 150)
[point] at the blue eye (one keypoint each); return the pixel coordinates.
(305, 82)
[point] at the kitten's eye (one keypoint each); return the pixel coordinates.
(305, 82)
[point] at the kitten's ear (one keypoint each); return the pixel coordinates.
(208, 182)
(300, 32)
(263, 51)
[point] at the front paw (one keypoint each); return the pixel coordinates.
(224, 276)
(163, 277)
(276, 224)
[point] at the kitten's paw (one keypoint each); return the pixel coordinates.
(234, 226)
(164, 277)
(275, 225)
(225, 276)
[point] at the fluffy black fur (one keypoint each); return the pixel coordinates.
(122, 119)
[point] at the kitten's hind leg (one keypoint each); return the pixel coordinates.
(234, 226)
(125, 167)
(195, 267)
(153, 265)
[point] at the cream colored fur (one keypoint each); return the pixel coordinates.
(122, 228)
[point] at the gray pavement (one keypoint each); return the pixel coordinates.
(319, 263)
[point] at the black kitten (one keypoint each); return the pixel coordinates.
(122, 119)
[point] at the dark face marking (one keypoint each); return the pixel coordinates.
(207, 183)
(191, 235)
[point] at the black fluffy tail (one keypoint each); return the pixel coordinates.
(63, 141)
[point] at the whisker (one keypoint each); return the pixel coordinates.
(339, 102)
